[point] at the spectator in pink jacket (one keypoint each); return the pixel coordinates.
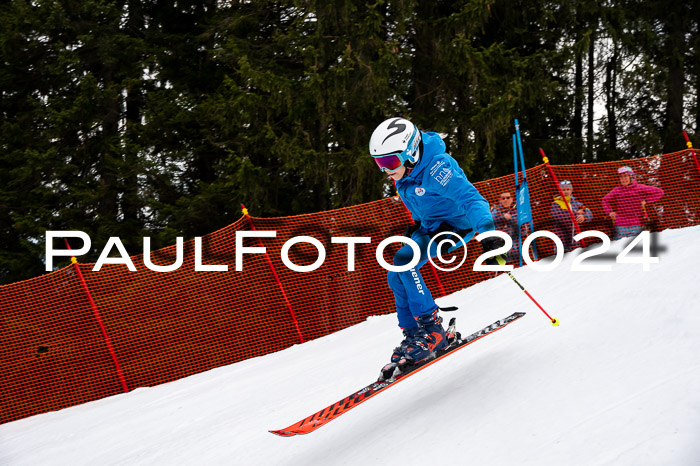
(625, 203)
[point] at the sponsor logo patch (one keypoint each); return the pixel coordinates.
(436, 167)
(444, 176)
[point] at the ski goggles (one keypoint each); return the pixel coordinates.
(625, 170)
(389, 162)
(565, 183)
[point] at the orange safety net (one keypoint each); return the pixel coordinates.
(159, 327)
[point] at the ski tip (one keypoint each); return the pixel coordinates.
(283, 433)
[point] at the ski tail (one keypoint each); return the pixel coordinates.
(339, 408)
(331, 412)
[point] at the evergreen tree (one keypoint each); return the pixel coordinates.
(137, 118)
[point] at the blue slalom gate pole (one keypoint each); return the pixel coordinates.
(524, 208)
(517, 191)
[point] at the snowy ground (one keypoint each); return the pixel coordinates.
(617, 383)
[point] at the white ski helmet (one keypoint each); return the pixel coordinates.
(394, 142)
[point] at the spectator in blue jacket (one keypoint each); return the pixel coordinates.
(563, 226)
(441, 199)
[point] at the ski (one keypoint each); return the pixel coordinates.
(323, 417)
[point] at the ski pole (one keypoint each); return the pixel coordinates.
(555, 322)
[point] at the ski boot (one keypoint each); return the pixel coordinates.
(432, 324)
(400, 352)
(421, 344)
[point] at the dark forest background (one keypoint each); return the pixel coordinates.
(136, 118)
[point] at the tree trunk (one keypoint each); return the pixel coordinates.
(425, 78)
(673, 128)
(591, 97)
(577, 122)
(697, 95)
(108, 205)
(610, 101)
(134, 104)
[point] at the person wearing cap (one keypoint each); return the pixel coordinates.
(563, 226)
(625, 204)
(440, 199)
(505, 217)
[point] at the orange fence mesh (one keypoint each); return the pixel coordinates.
(165, 326)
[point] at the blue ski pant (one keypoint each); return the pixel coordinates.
(412, 296)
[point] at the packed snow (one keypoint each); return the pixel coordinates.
(616, 383)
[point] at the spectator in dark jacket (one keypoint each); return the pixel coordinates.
(563, 225)
(505, 218)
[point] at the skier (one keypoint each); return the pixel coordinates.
(441, 199)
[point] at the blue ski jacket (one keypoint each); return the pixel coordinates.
(437, 191)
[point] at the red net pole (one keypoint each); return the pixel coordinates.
(98, 318)
(277, 278)
(692, 151)
(545, 159)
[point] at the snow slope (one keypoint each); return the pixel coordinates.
(617, 383)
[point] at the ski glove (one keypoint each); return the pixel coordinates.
(410, 229)
(490, 244)
(445, 247)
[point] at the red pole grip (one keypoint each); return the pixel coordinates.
(687, 140)
(692, 151)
